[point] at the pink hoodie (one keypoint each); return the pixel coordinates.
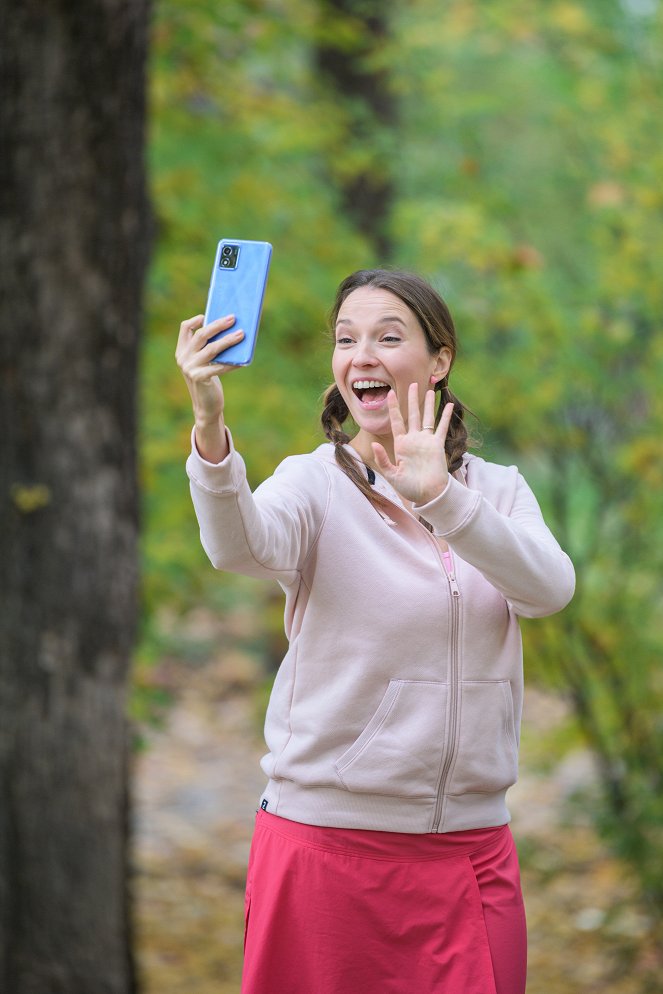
(398, 704)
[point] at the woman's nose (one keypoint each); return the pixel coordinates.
(364, 355)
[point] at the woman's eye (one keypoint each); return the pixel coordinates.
(343, 341)
(391, 338)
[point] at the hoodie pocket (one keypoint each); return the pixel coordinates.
(400, 750)
(487, 757)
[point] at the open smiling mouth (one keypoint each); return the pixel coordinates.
(371, 393)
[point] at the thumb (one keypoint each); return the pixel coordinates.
(382, 459)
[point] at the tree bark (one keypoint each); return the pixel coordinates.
(74, 243)
(352, 33)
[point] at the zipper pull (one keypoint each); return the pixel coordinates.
(455, 591)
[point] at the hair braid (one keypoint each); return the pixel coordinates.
(456, 441)
(333, 416)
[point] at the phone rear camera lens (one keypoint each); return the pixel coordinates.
(229, 256)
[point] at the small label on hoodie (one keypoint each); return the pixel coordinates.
(264, 803)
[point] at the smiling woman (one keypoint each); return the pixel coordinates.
(372, 341)
(382, 859)
(391, 329)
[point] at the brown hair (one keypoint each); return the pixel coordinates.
(438, 327)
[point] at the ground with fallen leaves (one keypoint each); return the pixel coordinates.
(196, 784)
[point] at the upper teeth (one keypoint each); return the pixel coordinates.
(367, 384)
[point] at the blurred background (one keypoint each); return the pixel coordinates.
(511, 151)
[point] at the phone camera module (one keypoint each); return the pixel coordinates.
(229, 255)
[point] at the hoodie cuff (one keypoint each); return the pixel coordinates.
(222, 477)
(451, 510)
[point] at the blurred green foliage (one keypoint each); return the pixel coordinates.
(527, 165)
(235, 150)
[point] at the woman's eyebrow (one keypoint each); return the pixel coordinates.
(385, 319)
(390, 318)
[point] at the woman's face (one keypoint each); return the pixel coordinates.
(380, 345)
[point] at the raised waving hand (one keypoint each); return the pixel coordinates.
(419, 472)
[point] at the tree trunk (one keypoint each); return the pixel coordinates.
(73, 250)
(352, 33)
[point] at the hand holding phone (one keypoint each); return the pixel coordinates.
(237, 286)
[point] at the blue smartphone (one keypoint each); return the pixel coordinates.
(237, 286)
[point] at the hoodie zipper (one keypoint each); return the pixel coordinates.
(454, 593)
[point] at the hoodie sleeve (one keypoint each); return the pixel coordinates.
(507, 540)
(269, 533)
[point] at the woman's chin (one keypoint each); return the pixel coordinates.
(375, 423)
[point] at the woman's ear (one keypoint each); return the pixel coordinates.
(442, 366)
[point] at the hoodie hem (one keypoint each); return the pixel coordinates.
(329, 807)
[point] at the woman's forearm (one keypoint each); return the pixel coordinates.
(211, 440)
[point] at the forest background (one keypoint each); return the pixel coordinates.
(510, 151)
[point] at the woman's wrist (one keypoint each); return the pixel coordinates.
(207, 422)
(432, 494)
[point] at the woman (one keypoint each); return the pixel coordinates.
(382, 859)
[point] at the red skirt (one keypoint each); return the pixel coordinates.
(342, 911)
